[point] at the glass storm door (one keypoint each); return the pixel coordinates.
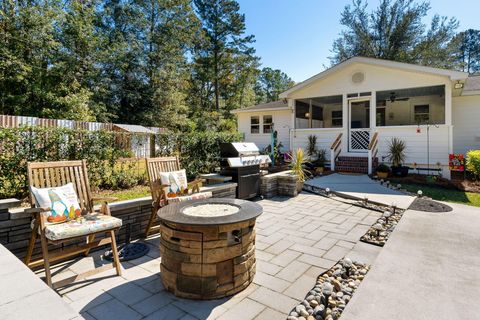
(358, 125)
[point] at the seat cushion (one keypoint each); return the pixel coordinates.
(193, 196)
(91, 224)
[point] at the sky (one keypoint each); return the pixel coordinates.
(296, 36)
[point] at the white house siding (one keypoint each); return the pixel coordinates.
(466, 123)
(325, 138)
(417, 145)
(282, 122)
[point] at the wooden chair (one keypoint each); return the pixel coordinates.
(155, 166)
(55, 174)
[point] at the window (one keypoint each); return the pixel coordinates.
(422, 113)
(254, 124)
(267, 124)
(318, 112)
(337, 119)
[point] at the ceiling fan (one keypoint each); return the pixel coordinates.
(393, 98)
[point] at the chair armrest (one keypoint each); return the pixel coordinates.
(195, 182)
(37, 210)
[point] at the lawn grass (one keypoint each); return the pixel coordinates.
(126, 194)
(444, 194)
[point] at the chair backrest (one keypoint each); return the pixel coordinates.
(157, 165)
(58, 173)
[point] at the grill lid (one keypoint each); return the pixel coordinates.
(238, 149)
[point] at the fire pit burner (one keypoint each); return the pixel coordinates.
(208, 247)
(211, 210)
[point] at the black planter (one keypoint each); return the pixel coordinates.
(400, 171)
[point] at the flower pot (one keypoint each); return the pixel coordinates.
(319, 170)
(400, 171)
(382, 175)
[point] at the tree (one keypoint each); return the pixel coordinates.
(270, 84)
(395, 31)
(224, 49)
(466, 46)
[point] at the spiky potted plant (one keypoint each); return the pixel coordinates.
(297, 169)
(396, 155)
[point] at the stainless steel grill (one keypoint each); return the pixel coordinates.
(242, 161)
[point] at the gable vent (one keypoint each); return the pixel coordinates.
(358, 77)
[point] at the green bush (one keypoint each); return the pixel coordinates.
(473, 162)
(199, 152)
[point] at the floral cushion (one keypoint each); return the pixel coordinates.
(193, 196)
(86, 225)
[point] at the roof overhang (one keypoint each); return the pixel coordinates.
(453, 75)
(246, 110)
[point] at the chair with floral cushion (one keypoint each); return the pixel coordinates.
(168, 183)
(62, 210)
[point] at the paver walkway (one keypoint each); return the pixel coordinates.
(361, 186)
(297, 239)
(427, 270)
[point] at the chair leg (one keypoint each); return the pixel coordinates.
(90, 238)
(116, 260)
(31, 244)
(150, 222)
(46, 261)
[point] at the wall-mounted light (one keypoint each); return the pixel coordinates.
(307, 115)
(458, 85)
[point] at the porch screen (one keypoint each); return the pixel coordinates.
(320, 112)
(414, 106)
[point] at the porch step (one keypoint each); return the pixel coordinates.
(353, 164)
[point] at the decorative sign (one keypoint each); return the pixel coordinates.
(456, 162)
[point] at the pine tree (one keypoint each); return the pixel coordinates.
(466, 46)
(270, 84)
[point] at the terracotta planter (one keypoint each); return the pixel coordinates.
(382, 175)
(319, 170)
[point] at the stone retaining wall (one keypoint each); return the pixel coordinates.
(15, 228)
(280, 183)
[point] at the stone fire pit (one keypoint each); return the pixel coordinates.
(208, 247)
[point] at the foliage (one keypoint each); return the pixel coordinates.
(473, 162)
(312, 145)
(382, 167)
(466, 46)
(321, 158)
(296, 165)
(396, 151)
(445, 194)
(101, 149)
(270, 84)
(277, 152)
(395, 31)
(199, 152)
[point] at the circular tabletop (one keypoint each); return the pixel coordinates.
(174, 212)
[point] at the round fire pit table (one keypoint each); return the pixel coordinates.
(208, 247)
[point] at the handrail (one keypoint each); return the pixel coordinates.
(373, 140)
(336, 142)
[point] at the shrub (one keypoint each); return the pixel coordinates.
(473, 162)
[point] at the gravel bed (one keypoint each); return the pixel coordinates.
(332, 292)
(379, 233)
(427, 205)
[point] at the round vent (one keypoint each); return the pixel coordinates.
(358, 77)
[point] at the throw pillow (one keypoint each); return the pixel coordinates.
(62, 201)
(177, 181)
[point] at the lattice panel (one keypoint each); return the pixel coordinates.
(359, 140)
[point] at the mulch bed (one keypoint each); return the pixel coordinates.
(468, 185)
(332, 292)
(427, 205)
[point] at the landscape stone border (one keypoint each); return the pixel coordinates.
(380, 231)
(332, 292)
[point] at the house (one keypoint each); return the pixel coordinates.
(356, 107)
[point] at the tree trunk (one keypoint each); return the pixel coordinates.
(215, 60)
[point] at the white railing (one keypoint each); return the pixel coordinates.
(335, 150)
(372, 152)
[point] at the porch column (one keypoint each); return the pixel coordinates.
(373, 125)
(291, 133)
(345, 119)
(448, 122)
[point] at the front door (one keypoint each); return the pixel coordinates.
(358, 125)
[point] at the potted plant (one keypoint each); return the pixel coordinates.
(312, 145)
(396, 155)
(319, 164)
(382, 171)
(297, 169)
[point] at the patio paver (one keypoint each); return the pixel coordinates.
(297, 239)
